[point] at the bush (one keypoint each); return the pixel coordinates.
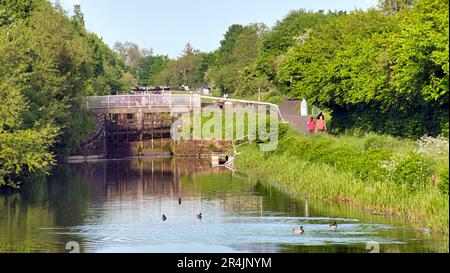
(346, 157)
(216, 93)
(282, 130)
(372, 158)
(368, 164)
(25, 153)
(374, 141)
(413, 171)
(443, 180)
(445, 130)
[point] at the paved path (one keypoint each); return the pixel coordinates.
(290, 111)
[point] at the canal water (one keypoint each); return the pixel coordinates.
(117, 205)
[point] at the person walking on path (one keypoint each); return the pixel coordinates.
(311, 125)
(321, 124)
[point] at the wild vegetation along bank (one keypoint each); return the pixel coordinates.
(380, 173)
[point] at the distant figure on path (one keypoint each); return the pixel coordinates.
(164, 218)
(199, 216)
(179, 201)
(311, 125)
(321, 124)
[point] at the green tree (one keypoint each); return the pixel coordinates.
(48, 64)
(150, 67)
(185, 70)
(251, 83)
(131, 53)
(240, 51)
(227, 44)
(78, 15)
(246, 46)
(284, 35)
(393, 7)
(16, 10)
(12, 102)
(421, 49)
(25, 152)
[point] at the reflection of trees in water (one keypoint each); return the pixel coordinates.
(237, 195)
(130, 179)
(244, 203)
(28, 217)
(20, 221)
(277, 201)
(70, 194)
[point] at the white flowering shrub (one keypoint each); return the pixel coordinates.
(433, 146)
(426, 163)
(390, 166)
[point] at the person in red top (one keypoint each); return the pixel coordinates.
(321, 125)
(311, 125)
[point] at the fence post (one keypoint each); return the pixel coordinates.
(170, 102)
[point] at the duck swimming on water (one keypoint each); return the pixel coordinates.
(334, 226)
(199, 216)
(299, 230)
(164, 218)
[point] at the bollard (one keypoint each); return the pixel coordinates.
(304, 108)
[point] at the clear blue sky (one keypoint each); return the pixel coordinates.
(167, 25)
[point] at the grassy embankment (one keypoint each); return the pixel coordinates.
(382, 174)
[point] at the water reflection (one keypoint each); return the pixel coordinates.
(116, 206)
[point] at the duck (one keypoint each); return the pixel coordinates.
(299, 230)
(334, 226)
(164, 217)
(179, 201)
(199, 216)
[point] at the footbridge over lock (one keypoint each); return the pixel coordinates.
(151, 103)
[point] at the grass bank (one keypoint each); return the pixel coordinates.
(382, 174)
